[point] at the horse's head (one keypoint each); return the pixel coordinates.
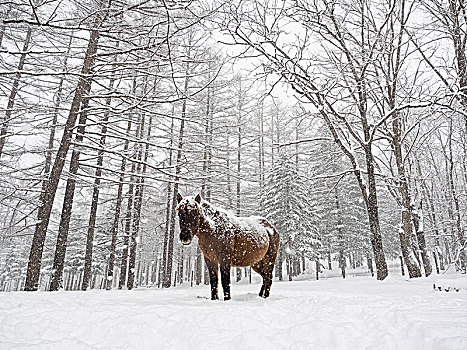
(189, 214)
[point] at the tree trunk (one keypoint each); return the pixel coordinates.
(96, 189)
(405, 233)
(436, 262)
(48, 157)
(198, 265)
(14, 90)
(118, 206)
(238, 193)
(455, 199)
(317, 268)
(47, 197)
(370, 266)
(182, 262)
(373, 216)
(229, 185)
(170, 244)
(261, 153)
(138, 203)
(168, 210)
(58, 101)
(279, 264)
(2, 32)
(417, 218)
(64, 226)
(127, 232)
(402, 264)
(340, 234)
(130, 207)
(432, 215)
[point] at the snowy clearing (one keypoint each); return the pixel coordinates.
(356, 313)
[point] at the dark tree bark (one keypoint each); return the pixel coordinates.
(118, 206)
(181, 265)
(199, 267)
(47, 197)
(227, 165)
(64, 226)
(370, 266)
(373, 216)
(289, 265)
(14, 90)
(163, 268)
(127, 231)
(2, 30)
(130, 205)
(278, 267)
(317, 268)
(418, 227)
(261, 152)
(405, 234)
(434, 220)
(170, 244)
(206, 181)
(58, 101)
(455, 199)
(95, 193)
(239, 156)
(138, 206)
(136, 212)
(340, 235)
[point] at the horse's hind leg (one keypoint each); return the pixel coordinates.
(259, 268)
(267, 282)
(267, 267)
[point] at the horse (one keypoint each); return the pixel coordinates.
(227, 240)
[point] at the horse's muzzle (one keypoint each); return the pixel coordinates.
(186, 241)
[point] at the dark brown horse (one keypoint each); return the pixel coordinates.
(227, 240)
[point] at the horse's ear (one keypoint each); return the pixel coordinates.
(198, 198)
(179, 197)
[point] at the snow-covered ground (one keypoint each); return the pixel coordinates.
(356, 313)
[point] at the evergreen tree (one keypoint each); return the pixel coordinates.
(288, 207)
(343, 222)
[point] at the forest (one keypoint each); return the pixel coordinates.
(342, 122)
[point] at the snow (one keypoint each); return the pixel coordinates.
(355, 313)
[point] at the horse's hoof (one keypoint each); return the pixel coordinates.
(215, 298)
(226, 298)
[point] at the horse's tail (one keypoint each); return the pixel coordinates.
(274, 241)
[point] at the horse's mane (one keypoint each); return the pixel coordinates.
(213, 214)
(208, 208)
(219, 218)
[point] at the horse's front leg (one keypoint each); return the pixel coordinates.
(212, 267)
(225, 279)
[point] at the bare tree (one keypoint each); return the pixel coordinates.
(351, 125)
(47, 196)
